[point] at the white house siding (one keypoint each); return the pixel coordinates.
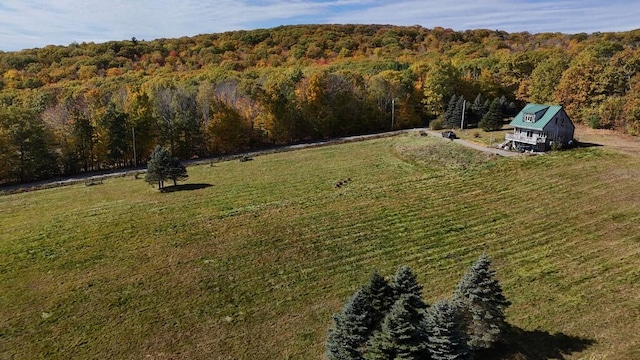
(558, 129)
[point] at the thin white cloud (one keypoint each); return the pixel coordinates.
(36, 23)
(570, 16)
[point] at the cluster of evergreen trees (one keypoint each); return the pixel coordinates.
(482, 113)
(389, 320)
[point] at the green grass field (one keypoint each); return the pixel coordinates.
(254, 266)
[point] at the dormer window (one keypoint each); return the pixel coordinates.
(529, 118)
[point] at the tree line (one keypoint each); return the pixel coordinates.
(389, 320)
(224, 112)
(83, 107)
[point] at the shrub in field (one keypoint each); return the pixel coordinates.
(436, 124)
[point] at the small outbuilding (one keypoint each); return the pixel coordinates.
(539, 127)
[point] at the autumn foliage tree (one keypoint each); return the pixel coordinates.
(220, 93)
(25, 152)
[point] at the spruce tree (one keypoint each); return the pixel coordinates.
(450, 114)
(492, 120)
(446, 337)
(162, 166)
(115, 123)
(405, 282)
(380, 297)
(481, 304)
(479, 108)
(504, 106)
(176, 171)
(347, 338)
(157, 167)
(402, 335)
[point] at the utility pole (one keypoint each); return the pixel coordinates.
(393, 112)
(135, 157)
(464, 103)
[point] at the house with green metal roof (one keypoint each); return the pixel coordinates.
(539, 127)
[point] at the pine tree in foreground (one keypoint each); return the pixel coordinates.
(347, 338)
(481, 304)
(446, 337)
(380, 296)
(402, 335)
(405, 282)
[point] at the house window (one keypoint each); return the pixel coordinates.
(529, 133)
(529, 117)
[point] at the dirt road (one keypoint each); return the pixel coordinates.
(474, 145)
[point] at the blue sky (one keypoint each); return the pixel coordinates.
(37, 23)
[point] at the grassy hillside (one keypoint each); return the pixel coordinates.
(253, 266)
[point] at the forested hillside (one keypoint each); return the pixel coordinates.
(69, 109)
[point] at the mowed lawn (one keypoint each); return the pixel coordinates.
(254, 266)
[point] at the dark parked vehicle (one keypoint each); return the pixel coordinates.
(449, 135)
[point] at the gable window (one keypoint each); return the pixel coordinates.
(529, 117)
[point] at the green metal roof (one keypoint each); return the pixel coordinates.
(544, 113)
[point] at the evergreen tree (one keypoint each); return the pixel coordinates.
(446, 337)
(402, 335)
(380, 296)
(449, 120)
(157, 166)
(502, 100)
(405, 282)
(481, 304)
(117, 133)
(83, 133)
(479, 108)
(492, 120)
(347, 338)
(176, 171)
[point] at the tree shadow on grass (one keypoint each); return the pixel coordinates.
(535, 345)
(184, 187)
(580, 144)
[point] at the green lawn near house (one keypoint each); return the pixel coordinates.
(252, 259)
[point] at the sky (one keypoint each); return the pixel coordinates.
(28, 24)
